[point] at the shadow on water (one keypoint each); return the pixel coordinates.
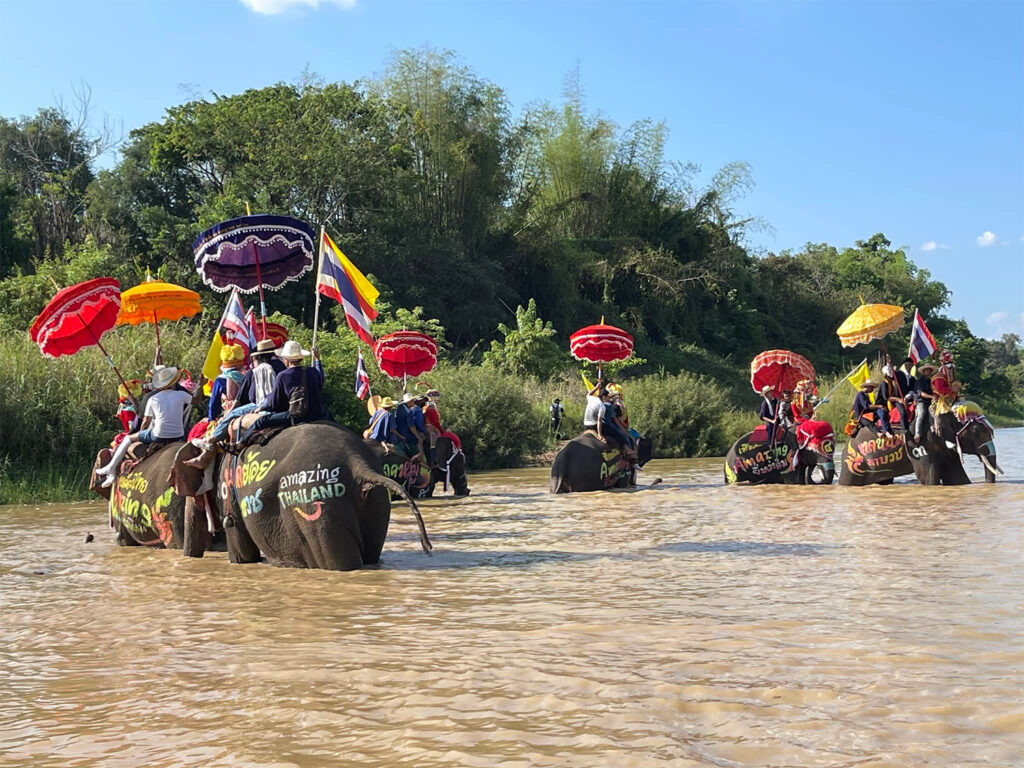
(464, 559)
(749, 548)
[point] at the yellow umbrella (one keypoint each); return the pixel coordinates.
(154, 300)
(868, 322)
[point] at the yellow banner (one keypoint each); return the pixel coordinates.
(586, 381)
(211, 366)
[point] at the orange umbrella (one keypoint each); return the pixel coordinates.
(154, 300)
(868, 322)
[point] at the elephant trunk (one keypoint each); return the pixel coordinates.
(372, 479)
(828, 469)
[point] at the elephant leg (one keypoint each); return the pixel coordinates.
(336, 542)
(955, 473)
(124, 539)
(241, 547)
(374, 518)
(459, 479)
(197, 533)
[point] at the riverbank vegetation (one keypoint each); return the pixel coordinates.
(498, 232)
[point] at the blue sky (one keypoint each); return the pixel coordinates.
(900, 117)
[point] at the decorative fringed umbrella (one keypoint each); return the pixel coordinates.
(154, 300)
(869, 322)
(251, 253)
(77, 317)
(779, 369)
(274, 331)
(405, 353)
(601, 344)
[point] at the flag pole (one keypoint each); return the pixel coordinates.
(837, 386)
(316, 285)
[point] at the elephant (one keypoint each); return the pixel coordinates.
(309, 496)
(792, 459)
(144, 509)
(935, 460)
(588, 463)
(966, 427)
(416, 478)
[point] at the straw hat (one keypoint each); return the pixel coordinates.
(264, 348)
(926, 369)
(387, 402)
(292, 350)
(408, 397)
(869, 384)
(766, 389)
(165, 377)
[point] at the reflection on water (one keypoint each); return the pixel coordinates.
(687, 624)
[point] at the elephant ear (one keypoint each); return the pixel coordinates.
(96, 482)
(185, 480)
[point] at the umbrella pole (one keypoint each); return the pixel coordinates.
(159, 358)
(109, 359)
(259, 283)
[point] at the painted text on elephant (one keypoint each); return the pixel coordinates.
(311, 494)
(252, 470)
(138, 517)
(318, 475)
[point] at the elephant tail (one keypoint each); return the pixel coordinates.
(377, 479)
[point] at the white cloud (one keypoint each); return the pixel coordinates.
(931, 245)
(986, 239)
(1003, 322)
(997, 318)
(272, 7)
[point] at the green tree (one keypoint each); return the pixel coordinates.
(528, 349)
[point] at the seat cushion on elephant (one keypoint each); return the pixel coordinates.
(760, 434)
(139, 452)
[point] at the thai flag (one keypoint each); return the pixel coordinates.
(922, 343)
(235, 322)
(362, 380)
(339, 279)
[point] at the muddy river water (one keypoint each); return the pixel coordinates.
(689, 624)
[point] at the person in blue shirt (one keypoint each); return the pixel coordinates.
(867, 414)
(382, 424)
(279, 408)
(225, 387)
(410, 425)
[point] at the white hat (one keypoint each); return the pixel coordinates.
(164, 377)
(292, 350)
(409, 397)
(766, 389)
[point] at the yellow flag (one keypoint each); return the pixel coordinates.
(860, 375)
(211, 366)
(586, 381)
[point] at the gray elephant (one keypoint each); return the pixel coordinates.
(419, 481)
(803, 455)
(311, 496)
(144, 510)
(966, 428)
(588, 463)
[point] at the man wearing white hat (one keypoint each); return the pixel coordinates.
(163, 420)
(295, 397)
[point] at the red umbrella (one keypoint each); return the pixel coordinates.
(77, 317)
(405, 353)
(601, 344)
(274, 331)
(779, 369)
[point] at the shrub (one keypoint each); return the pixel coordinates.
(684, 415)
(492, 414)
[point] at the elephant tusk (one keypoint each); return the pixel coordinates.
(993, 468)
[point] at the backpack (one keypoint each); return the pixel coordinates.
(298, 402)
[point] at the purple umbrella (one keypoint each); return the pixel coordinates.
(251, 253)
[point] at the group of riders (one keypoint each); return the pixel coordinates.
(274, 388)
(606, 415)
(912, 394)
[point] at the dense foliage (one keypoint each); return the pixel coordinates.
(460, 211)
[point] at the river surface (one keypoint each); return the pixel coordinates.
(689, 624)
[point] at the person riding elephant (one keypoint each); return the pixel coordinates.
(163, 420)
(588, 463)
(420, 481)
(870, 414)
(311, 496)
(924, 398)
(295, 398)
(966, 427)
